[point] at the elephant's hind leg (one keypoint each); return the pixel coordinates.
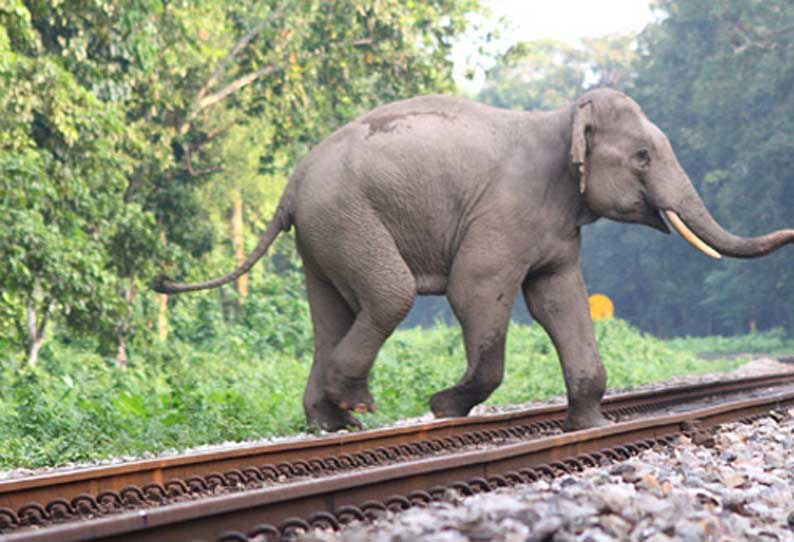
(331, 319)
(382, 287)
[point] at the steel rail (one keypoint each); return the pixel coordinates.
(327, 501)
(44, 488)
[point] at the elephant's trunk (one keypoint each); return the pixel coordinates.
(694, 222)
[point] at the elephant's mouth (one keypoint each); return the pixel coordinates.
(653, 217)
(680, 226)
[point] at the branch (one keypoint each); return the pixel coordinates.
(765, 41)
(203, 100)
(783, 30)
(215, 133)
(208, 137)
(189, 164)
(219, 71)
(233, 87)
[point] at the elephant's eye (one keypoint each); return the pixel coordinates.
(642, 158)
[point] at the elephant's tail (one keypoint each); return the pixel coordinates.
(281, 221)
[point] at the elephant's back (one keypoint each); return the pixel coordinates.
(416, 166)
(411, 144)
(401, 156)
(441, 126)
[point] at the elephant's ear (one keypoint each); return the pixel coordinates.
(582, 124)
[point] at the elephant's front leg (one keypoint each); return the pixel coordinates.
(559, 302)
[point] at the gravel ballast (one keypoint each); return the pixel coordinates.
(737, 487)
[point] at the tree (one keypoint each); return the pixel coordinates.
(62, 179)
(297, 76)
(541, 74)
(119, 119)
(547, 74)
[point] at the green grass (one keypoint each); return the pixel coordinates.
(772, 342)
(416, 363)
(78, 405)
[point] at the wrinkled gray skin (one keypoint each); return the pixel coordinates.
(441, 195)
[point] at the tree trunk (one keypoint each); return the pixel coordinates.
(162, 301)
(238, 241)
(33, 351)
(123, 328)
(162, 317)
(121, 353)
(36, 328)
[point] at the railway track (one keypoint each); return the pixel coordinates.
(272, 491)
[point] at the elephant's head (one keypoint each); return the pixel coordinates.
(629, 172)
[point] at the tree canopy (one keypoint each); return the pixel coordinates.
(128, 127)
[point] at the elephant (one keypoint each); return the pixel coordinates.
(440, 195)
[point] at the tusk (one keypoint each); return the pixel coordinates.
(689, 235)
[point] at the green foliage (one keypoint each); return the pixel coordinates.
(62, 181)
(774, 341)
(239, 385)
(126, 125)
(273, 318)
(547, 74)
(243, 381)
(426, 360)
(535, 75)
(79, 406)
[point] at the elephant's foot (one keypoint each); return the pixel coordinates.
(326, 415)
(585, 418)
(350, 393)
(450, 403)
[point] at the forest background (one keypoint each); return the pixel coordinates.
(145, 135)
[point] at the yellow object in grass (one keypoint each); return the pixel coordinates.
(601, 307)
